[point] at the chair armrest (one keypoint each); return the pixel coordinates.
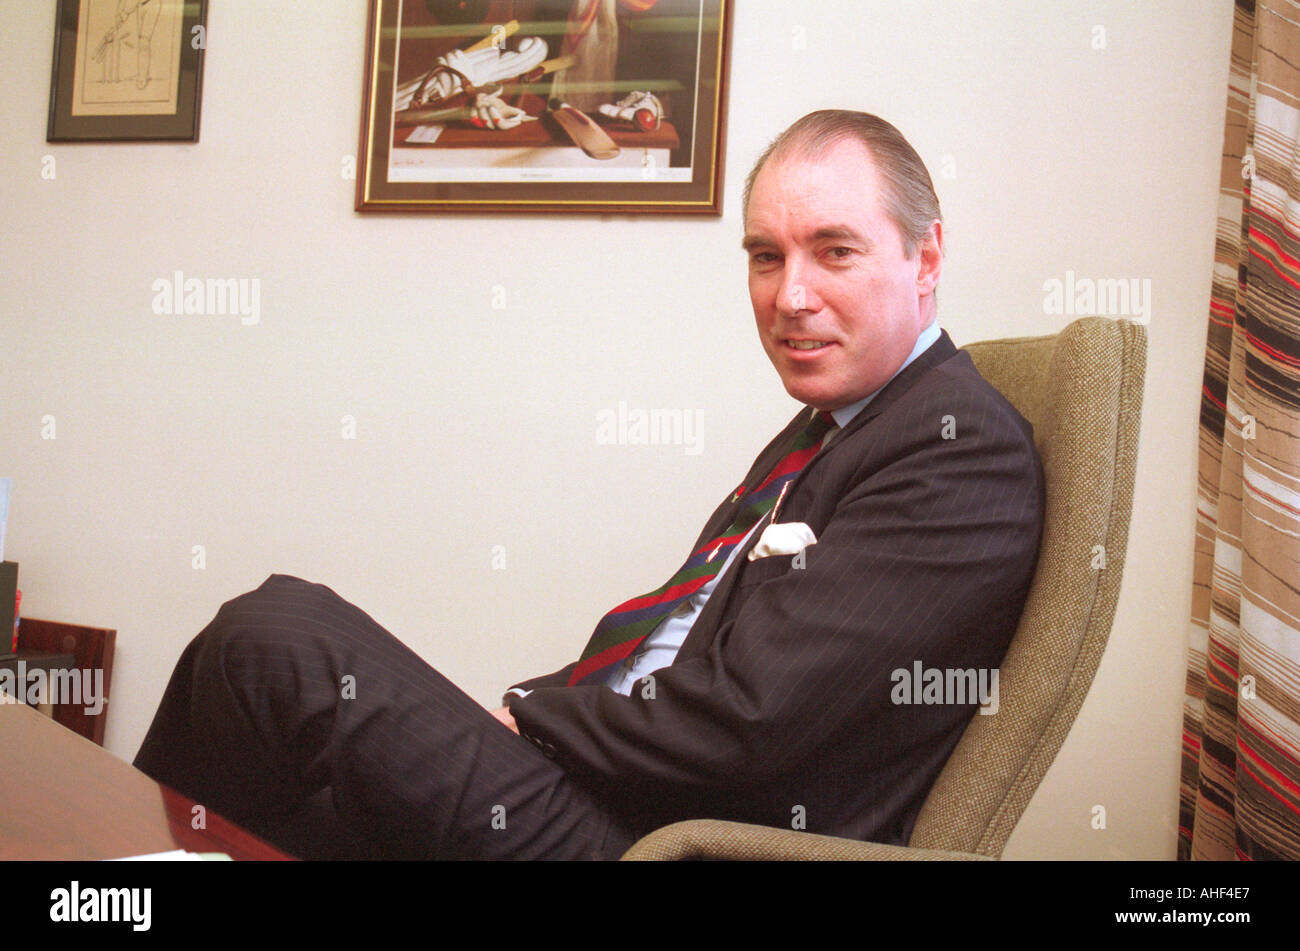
(737, 841)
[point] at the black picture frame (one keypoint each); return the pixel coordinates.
(165, 106)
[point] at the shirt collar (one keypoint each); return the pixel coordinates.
(844, 415)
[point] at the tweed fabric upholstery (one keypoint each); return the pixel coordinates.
(738, 842)
(1082, 391)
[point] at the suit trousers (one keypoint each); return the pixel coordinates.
(297, 716)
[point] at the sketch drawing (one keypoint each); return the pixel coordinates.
(133, 27)
(128, 50)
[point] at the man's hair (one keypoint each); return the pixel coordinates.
(909, 197)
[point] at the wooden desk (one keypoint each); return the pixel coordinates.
(62, 797)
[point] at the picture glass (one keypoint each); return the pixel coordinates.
(520, 94)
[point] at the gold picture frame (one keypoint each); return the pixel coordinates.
(595, 106)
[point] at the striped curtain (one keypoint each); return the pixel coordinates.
(1240, 785)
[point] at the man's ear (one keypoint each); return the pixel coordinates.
(930, 255)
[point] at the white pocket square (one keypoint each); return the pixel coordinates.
(787, 538)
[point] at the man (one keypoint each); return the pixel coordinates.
(897, 526)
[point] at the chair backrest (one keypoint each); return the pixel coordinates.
(1082, 391)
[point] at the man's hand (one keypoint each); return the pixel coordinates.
(503, 714)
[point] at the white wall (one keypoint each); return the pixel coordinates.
(476, 427)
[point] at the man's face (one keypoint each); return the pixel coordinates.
(838, 304)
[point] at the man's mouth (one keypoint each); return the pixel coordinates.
(807, 344)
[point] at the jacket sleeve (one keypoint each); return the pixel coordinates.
(921, 540)
(558, 679)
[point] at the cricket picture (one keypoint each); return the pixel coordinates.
(528, 93)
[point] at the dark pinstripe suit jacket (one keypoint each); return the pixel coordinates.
(779, 708)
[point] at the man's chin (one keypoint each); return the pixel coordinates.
(816, 397)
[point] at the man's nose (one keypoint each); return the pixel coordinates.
(795, 295)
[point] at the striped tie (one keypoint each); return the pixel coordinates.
(622, 630)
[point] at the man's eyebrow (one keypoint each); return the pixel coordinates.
(824, 233)
(839, 233)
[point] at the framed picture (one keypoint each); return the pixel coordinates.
(544, 105)
(127, 70)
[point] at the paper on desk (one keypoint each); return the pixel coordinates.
(424, 134)
(176, 855)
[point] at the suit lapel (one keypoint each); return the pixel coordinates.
(725, 514)
(940, 351)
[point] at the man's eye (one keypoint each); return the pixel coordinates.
(841, 252)
(762, 257)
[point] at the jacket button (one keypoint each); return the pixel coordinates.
(547, 749)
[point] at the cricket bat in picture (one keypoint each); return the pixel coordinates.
(548, 67)
(500, 33)
(585, 134)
